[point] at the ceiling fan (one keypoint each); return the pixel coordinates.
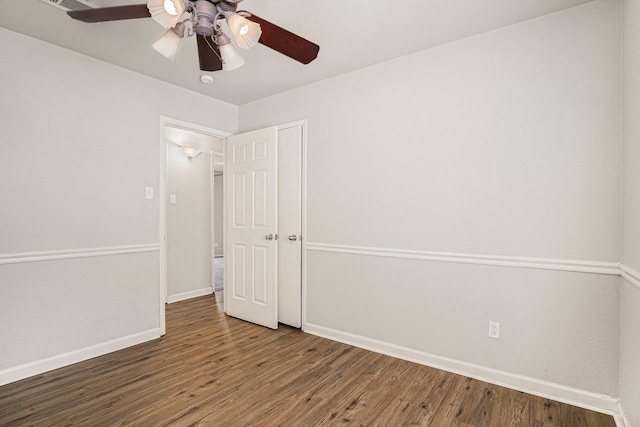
(215, 50)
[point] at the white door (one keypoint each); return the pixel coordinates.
(251, 245)
(290, 226)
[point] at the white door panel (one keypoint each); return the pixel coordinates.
(290, 226)
(251, 245)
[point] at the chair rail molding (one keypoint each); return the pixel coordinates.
(630, 274)
(17, 258)
(582, 266)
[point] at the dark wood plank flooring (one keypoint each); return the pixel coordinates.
(213, 370)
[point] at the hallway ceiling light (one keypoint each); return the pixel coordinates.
(190, 151)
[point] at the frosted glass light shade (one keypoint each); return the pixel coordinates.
(247, 33)
(168, 44)
(166, 12)
(190, 151)
(231, 59)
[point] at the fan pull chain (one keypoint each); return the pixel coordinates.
(214, 51)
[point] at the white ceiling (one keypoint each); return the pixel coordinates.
(352, 34)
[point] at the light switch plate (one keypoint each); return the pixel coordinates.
(148, 193)
(172, 199)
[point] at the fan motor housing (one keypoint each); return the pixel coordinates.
(205, 14)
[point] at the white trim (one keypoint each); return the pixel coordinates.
(188, 295)
(17, 258)
(212, 177)
(598, 267)
(192, 127)
(622, 420)
(301, 123)
(537, 387)
(162, 224)
(27, 370)
(630, 274)
(304, 224)
(224, 223)
(212, 222)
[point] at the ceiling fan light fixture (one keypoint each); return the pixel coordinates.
(231, 59)
(168, 44)
(170, 7)
(166, 12)
(204, 17)
(247, 33)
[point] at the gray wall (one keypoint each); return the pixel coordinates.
(498, 154)
(630, 293)
(79, 265)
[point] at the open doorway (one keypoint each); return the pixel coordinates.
(189, 154)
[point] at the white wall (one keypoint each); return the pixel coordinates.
(501, 145)
(189, 257)
(631, 34)
(630, 351)
(80, 144)
(630, 293)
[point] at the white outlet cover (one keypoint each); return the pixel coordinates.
(494, 330)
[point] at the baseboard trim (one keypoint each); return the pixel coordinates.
(581, 266)
(188, 295)
(18, 258)
(631, 275)
(584, 399)
(621, 418)
(27, 370)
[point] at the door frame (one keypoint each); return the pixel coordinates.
(303, 189)
(162, 199)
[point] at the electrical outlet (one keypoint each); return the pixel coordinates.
(494, 330)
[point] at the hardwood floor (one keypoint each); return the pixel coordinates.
(213, 370)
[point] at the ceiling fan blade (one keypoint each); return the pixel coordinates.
(209, 61)
(283, 41)
(115, 13)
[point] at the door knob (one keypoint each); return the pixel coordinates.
(269, 237)
(293, 237)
